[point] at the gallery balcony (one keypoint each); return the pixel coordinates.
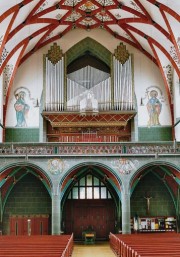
(145, 149)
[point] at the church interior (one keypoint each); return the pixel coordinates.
(90, 123)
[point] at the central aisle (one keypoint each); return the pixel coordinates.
(96, 250)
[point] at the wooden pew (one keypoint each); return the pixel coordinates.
(36, 246)
(146, 245)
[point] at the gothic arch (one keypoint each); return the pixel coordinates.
(89, 44)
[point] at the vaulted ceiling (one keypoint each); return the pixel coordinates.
(148, 25)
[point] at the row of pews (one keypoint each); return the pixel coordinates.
(36, 246)
(146, 245)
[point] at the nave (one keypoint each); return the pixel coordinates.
(100, 249)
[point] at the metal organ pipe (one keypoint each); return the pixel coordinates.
(54, 98)
(62, 85)
(46, 88)
(87, 78)
(123, 88)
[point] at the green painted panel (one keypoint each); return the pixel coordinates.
(161, 203)
(22, 135)
(91, 45)
(155, 133)
(29, 196)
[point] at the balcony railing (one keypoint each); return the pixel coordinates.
(88, 149)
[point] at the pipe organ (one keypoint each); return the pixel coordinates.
(87, 85)
(89, 100)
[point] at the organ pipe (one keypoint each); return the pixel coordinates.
(54, 97)
(88, 80)
(123, 86)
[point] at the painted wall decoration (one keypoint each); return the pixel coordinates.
(153, 100)
(154, 107)
(124, 165)
(7, 73)
(173, 52)
(56, 166)
(21, 107)
(168, 72)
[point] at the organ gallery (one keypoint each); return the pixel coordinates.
(86, 99)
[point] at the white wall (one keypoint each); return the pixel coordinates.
(30, 76)
(1, 107)
(176, 83)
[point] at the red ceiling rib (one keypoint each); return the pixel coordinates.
(171, 33)
(14, 9)
(143, 9)
(158, 45)
(141, 16)
(165, 8)
(35, 9)
(8, 30)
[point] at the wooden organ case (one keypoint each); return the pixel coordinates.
(88, 104)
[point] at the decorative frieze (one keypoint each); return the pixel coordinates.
(173, 52)
(168, 72)
(3, 56)
(7, 73)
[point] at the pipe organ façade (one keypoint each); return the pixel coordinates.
(79, 105)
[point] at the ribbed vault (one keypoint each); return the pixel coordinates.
(150, 26)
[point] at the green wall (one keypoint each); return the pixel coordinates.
(155, 133)
(89, 44)
(29, 196)
(161, 203)
(22, 135)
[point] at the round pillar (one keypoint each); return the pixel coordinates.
(126, 213)
(56, 215)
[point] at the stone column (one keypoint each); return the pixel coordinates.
(126, 213)
(56, 211)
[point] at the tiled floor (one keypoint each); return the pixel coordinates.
(96, 250)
